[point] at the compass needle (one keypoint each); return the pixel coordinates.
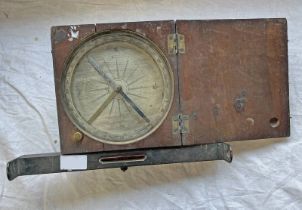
(102, 107)
(134, 106)
(111, 87)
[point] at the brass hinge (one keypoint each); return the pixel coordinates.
(180, 124)
(176, 43)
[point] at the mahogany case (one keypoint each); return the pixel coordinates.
(231, 80)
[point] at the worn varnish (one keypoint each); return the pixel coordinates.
(62, 46)
(157, 31)
(233, 80)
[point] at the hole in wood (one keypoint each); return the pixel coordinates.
(274, 122)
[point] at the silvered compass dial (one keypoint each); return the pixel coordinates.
(117, 87)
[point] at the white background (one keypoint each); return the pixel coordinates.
(264, 174)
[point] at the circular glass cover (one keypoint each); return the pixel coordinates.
(117, 87)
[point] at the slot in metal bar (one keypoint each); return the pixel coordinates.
(50, 163)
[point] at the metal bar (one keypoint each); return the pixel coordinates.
(51, 163)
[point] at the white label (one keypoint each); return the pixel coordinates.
(73, 162)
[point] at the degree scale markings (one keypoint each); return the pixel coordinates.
(98, 108)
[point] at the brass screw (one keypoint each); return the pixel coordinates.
(77, 136)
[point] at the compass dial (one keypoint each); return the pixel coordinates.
(117, 87)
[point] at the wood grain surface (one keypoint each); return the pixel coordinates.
(234, 79)
(157, 31)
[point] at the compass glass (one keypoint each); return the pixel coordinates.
(117, 87)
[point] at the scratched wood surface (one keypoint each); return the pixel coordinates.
(63, 44)
(234, 79)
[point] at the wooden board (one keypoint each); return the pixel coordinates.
(234, 79)
(63, 44)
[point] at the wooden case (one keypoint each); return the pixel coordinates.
(232, 77)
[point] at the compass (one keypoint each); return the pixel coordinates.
(161, 92)
(117, 87)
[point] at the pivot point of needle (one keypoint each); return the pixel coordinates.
(118, 88)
